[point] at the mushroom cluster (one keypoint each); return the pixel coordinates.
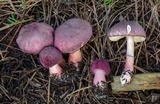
(133, 33)
(69, 37)
(34, 38)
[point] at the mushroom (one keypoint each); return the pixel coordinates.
(71, 36)
(50, 58)
(100, 68)
(133, 33)
(33, 37)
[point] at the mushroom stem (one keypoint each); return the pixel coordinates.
(99, 77)
(75, 57)
(128, 68)
(130, 54)
(55, 70)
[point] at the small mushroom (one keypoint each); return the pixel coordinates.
(33, 37)
(100, 68)
(71, 36)
(50, 58)
(133, 33)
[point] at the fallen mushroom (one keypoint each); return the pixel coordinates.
(33, 37)
(100, 68)
(71, 36)
(50, 58)
(133, 33)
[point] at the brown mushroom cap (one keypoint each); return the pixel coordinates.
(33, 37)
(72, 35)
(49, 56)
(119, 31)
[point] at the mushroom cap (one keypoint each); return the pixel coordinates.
(127, 28)
(72, 35)
(100, 64)
(33, 37)
(49, 56)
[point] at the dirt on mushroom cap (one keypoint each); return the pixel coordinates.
(72, 35)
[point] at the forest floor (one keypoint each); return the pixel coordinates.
(23, 80)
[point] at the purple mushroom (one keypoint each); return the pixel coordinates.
(100, 68)
(71, 36)
(50, 58)
(133, 33)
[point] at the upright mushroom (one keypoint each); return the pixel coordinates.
(50, 58)
(133, 33)
(33, 37)
(100, 68)
(71, 36)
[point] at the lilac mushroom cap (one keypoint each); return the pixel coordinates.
(119, 31)
(100, 68)
(72, 35)
(33, 37)
(50, 57)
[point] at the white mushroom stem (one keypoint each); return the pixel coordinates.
(128, 68)
(99, 77)
(55, 70)
(75, 57)
(130, 54)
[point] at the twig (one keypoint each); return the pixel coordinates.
(140, 82)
